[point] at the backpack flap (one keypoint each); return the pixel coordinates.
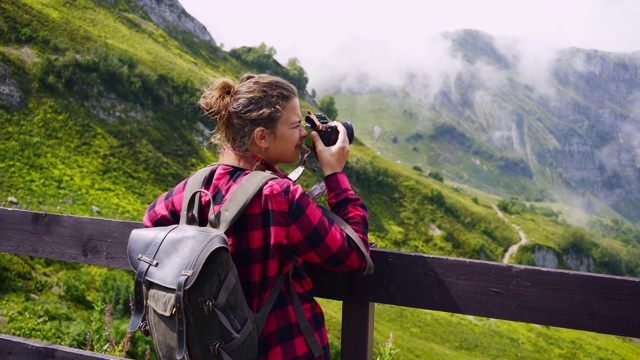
(168, 251)
(140, 241)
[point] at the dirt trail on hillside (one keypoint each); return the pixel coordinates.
(513, 248)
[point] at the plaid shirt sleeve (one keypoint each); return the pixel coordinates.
(281, 228)
(166, 209)
(316, 238)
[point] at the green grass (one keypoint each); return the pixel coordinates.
(423, 334)
(82, 24)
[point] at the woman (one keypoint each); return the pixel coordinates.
(259, 125)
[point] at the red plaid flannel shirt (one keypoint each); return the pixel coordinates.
(280, 228)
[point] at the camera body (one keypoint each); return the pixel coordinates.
(327, 131)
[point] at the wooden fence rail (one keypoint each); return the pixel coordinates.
(568, 299)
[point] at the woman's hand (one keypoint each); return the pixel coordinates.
(332, 158)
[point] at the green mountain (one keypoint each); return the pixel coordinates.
(98, 116)
(565, 130)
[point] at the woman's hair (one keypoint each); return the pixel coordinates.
(257, 101)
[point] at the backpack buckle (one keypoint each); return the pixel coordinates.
(144, 328)
(207, 305)
(148, 260)
(214, 347)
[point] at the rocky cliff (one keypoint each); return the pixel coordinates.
(599, 101)
(169, 15)
(10, 93)
(567, 128)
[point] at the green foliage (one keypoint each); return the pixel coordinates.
(100, 66)
(116, 287)
(577, 240)
(32, 318)
(327, 106)
(512, 206)
(524, 255)
(514, 166)
(297, 74)
(261, 59)
(15, 273)
(436, 176)
(386, 351)
(615, 229)
(100, 337)
(598, 254)
(74, 288)
(58, 300)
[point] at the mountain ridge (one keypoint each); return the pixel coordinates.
(581, 135)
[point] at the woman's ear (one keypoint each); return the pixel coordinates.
(261, 137)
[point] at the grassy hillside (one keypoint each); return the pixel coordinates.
(400, 129)
(106, 121)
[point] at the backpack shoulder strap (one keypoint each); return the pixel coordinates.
(303, 322)
(353, 235)
(193, 183)
(240, 198)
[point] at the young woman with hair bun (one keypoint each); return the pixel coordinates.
(259, 125)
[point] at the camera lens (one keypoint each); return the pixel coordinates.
(347, 125)
(326, 130)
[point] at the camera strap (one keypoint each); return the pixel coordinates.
(297, 172)
(316, 190)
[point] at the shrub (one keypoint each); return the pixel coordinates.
(74, 288)
(14, 272)
(386, 351)
(100, 337)
(115, 288)
(436, 176)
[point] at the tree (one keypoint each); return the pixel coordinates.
(260, 57)
(436, 175)
(297, 74)
(266, 50)
(327, 105)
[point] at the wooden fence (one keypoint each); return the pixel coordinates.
(568, 299)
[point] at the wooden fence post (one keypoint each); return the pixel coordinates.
(357, 326)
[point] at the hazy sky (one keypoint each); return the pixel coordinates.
(330, 35)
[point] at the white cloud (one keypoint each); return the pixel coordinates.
(334, 37)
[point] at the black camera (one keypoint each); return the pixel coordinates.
(327, 131)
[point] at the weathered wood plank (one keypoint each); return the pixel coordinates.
(569, 299)
(15, 348)
(64, 237)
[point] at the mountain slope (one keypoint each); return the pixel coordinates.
(571, 134)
